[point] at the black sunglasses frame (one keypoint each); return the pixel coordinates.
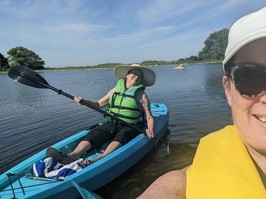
(241, 83)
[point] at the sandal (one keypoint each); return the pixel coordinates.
(59, 156)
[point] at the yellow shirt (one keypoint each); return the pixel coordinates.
(223, 169)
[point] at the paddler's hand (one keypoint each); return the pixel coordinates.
(149, 133)
(78, 99)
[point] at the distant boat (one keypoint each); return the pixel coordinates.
(180, 67)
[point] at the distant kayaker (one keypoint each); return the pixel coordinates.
(127, 101)
(231, 162)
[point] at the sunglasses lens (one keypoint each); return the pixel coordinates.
(250, 80)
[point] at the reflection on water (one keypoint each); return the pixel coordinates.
(32, 119)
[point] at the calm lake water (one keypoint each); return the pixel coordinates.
(32, 119)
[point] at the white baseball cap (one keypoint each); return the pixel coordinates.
(245, 30)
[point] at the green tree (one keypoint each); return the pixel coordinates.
(3, 63)
(25, 57)
(215, 46)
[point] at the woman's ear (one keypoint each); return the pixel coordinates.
(227, 88)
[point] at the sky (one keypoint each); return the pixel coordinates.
(92, 32)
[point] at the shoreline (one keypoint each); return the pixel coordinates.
(101, 68)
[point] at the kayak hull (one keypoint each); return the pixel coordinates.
(18, 183)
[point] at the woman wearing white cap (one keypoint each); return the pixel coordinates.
(126, 101)
(231, 162)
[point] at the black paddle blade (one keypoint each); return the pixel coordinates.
(25, 75)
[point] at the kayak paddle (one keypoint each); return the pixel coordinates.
(25, 75)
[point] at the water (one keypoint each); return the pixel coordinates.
(32, 119)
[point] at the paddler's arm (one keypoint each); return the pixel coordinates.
(100, 103)
(171, 185)
(150, 121)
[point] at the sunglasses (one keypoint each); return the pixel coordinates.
(249, 79)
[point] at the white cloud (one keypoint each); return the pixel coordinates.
(88, 32)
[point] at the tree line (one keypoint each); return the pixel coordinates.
(21, 56)
(213, 51)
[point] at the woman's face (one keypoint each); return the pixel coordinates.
(249, 113)
(133, 80)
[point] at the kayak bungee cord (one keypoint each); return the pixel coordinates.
(47, 181)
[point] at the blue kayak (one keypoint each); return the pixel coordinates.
(18, 182)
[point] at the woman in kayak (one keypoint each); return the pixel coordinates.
(127, 101)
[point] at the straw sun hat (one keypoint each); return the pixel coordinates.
(148, 79)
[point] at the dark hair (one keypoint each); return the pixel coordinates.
(135, 71)
(227, 69)
(228, 66)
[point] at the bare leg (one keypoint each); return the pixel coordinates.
(82, 147)
(111, 147)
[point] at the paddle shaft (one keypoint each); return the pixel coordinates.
(86, 103)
